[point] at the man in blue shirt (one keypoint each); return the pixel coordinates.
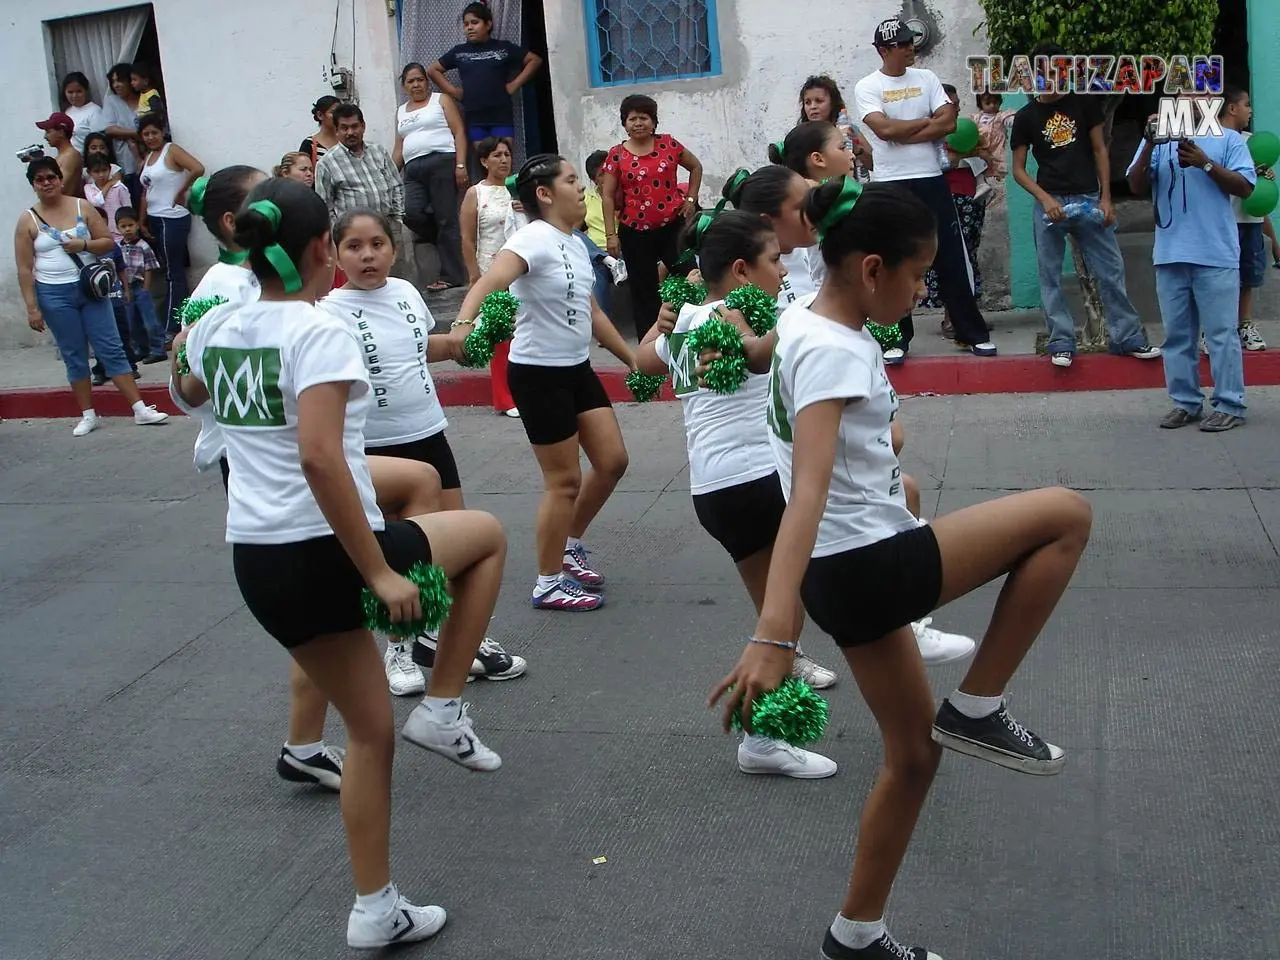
(1197, 260)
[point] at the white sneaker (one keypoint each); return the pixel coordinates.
(404, 677)
(86, 426)
(812, 672)
(895, 356)
(937, 647)
(513, 413)
(984, 349)
(783, 760)
(453, 738)
(1250, 338)
(1146, 353)
(1061, 359)
(149, 415)
(406, 923)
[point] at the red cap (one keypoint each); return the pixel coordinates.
(58, 121)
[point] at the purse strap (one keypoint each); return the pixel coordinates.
(80, 264)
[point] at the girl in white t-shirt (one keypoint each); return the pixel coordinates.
(562, 403)
(406, 422)
(289, 388)
(865, 568)
(731, 470)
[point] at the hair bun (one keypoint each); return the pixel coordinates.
(254, 230)
(776, 153)
(732, 191)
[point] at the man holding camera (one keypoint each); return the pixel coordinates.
(1197, 259)
(57, 133)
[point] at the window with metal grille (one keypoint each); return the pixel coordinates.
(637, 41)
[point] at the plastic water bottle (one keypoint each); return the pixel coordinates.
(1078, 210)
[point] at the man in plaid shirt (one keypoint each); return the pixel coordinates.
(356, 175)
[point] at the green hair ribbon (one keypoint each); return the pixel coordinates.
(275, 253)
(849, 194)
(510, 184)
(782, 146)
(233, 257)
(734, 185)
(195, 196)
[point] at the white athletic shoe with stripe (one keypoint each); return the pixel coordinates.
(406, 923)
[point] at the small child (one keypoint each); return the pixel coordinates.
(606, 267)
(139, 261)
(143, 81)
(993, 132)
(1251, 230)
(105, 191)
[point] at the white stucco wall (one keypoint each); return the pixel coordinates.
(767, 49)
(239, 76)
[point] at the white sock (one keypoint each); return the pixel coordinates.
(759, 746)
(89, 414)
(857, 934)
(305, 751)
(572, 543)
(139, 407)
(545, 583)
(380, 903)
(975, 708)
(449, 708)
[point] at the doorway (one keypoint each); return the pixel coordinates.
(539, 109)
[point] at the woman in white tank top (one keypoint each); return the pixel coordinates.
(488, 220)
(167, 173)
(431, 149)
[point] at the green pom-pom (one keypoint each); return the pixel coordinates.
(888, 337)
(433, 587)
(478, 348)
(644, 386)
(184, 367)
(498, 316)
(192, 310)
(678, 291)
(793, 713)
(728, 373)
(760, 309)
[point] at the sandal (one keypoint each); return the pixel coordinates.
(438, 287)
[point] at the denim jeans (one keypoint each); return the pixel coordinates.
(121, 318)
(142, 313)
(76, 321)
(1195, 298)
(1101, 255)
(602, 289)
(170, 246)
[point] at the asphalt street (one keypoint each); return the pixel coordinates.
(142, 710)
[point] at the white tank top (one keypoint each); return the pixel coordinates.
(53, 265)
(424, 130)
(162, 186)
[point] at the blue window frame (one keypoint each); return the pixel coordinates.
(640, 41)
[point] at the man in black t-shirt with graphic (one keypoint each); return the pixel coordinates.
(1065, 134)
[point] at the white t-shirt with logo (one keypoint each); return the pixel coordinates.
(915, 95)
(727, 436)
(392, 324)
(235, 285)
(818, 359)
(553, 326)
(255, 360)
(805, 270)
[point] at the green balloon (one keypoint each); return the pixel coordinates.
(965, 137)
(1264, 147)
(1263, 199)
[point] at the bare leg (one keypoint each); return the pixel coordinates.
(1036, 538)
(405, 488)
(912, 491)
(891, 676)
(347, 669)
(451, 499)
(307, 707)
(128, 386)
(562, 483)
(601, 440)
(83, 391)
(1246, 304)
(754, 571)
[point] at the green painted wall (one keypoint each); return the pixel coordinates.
(1264, 65)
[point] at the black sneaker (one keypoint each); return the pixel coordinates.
(491, 662)
(99, 379)
(325, 768)
(886, 948)
(998, 738)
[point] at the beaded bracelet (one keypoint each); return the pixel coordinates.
(461, 323)
(776, 643)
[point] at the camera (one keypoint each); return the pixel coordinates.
(33, 152)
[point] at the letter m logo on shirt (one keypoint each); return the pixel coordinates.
(244, 386)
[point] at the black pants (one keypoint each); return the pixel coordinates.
(950, 264)
(122, 325)
(642, 249)
(431, 210)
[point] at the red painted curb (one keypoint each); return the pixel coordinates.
(944, 376)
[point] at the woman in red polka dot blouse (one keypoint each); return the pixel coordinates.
(644, 207)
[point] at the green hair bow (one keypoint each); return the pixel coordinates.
(849, 194)
(275, 253)
(195, 196)
(510, 184)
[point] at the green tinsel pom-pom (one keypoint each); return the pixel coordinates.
(192, 310)
(888, 337)
(478, 348)
(760, 309)
(184, 367)
(678, 291)
(644, 386)
(433, 588)
(793, 713)
(728, 373)
(498, 316)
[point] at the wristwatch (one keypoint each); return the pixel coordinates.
(1208, 166)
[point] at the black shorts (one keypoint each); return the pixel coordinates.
(745, 518)
(550, 399)
(862, 595)
(300, 591)
(434, 450)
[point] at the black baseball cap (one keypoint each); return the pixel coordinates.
(891, 33)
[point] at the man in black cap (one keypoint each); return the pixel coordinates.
(907, 115)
